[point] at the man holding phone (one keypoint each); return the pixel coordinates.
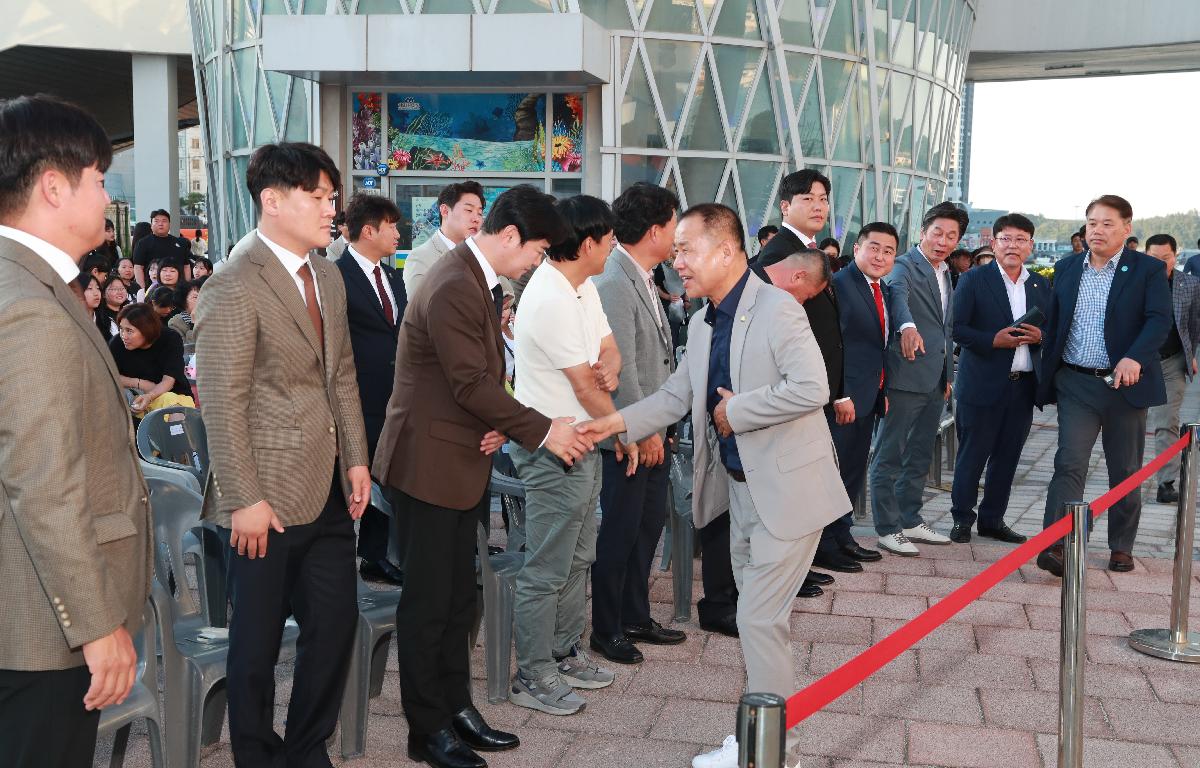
(998, 314)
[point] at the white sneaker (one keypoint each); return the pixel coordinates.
(926, 535)
(898, 544)
(724, 756)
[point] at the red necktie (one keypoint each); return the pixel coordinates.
(882, 321)
(310, 300)
(383, 298)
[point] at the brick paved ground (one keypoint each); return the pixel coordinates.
(977, 693)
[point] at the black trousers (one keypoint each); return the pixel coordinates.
(634, 513)
(853, 445)
(373, 533)
(309, 572)
(42, 720)
(716, 572)
(436, 612)
(991, 435)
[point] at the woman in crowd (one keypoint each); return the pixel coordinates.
(149, 358)
(981, 257)
(109, 247)
(124, 269)
(113, 298)
(151, 280)
(201, 267)
(164, 301)
(169, 274)
(832, 249)
(140, 230)
(182, 323)
(89, 292)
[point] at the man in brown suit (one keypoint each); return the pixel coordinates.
(74, 523)
(289, 455)
(447, 413)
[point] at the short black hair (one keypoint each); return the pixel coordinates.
(203, 260)
(288, 165)
(765, 232)
(40, 133)
(1130, 239)
(828, 242)
(84, 279)
(800, 183)
(1116, 202)
(1076, 234)
(367, 209)
(959, 253)
(185, 287)
(880, 227)
(721, 219)
(452, 193)
(587, 218)
(113, 277)
(339, 218)
(143, 317)
(164, 296)
(160, 212)
(531, 211)
(1013, 221)
(641, 206)
(946, 210)
(95, 260)
(1166, 240)
(108, 224)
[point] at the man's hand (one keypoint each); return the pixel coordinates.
(843, 411)
(949, 391)
(885, 405)
(652, 451)
(113, 664)
(911, 343)
(598, 429)
(1194, 369)
(492, 442)
(566, 442)
(1127, 373)
(360, 490)
(720, 413)
(250, 527)
(1008, 338)
(1030, 334)
(629, 452)
(606, 378)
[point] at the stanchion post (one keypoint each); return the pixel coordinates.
(761, 730)
(1176, 643)
(1074, 633)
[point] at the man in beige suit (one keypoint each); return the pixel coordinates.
(289, 475)
(461, 207)
(74, 524)
(754, 381)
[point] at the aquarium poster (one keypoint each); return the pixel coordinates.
(467, 132)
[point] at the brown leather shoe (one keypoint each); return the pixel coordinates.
(1052, 560)
(1121, 562)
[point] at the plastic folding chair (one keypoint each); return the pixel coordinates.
(368, 663)
(175, 437)
(682, 539)
(142, 702)
(498, 576)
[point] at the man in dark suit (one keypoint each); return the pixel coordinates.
(448, 412)
(997, 378)
(375, 302)
(863, 299)
(1109, 316)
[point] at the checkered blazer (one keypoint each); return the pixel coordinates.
(1185, 302)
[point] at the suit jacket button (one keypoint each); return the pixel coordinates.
(666, 361)
(143, 499)
(66, 623)
(55, 600)
(332, 430)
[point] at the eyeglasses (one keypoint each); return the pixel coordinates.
(1006, 240)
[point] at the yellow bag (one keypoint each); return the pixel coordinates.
(166, 400)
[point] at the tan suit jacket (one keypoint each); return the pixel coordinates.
(75, 533)
(449, 391)
(780, 388)
(420, 261)
(278, 408)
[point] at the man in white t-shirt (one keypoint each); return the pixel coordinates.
(567, 362)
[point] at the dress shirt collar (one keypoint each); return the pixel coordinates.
(365, 264)
(291, 262)
(940, 267)
(729, 304)
(1019, 281)
(62, 264)
(1111, 265)
(450, 244)
(808, 241)
(489, 275)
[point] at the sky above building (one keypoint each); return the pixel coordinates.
(1050, 146)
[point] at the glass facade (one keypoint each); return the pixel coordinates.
(716, 99)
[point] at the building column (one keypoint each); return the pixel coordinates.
(155, 135)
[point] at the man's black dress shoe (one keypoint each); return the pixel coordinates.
(960, 533)
(726, 625)
(1052, 560)
(818, 578)
(834, 560)
(477, 734)
(381, 570)
(1003, 533)
(810, 590)
(1167, 493)
(616, 648)
(443, 750)
(861, 554)
(654, 633)
(1121, 562)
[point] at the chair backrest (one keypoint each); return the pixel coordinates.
(171, 475)
(175, 437)
(512, 493)
(176, 511)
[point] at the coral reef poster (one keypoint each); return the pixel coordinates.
(566, 141)
(365, 126)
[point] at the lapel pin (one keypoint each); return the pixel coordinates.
(743, 318)
(1125, 268)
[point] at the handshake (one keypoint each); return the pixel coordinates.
(571, 442)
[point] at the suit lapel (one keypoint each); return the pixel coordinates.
(1067, 283)
(863, 291)
(367, 291)
(1121, 278)
(995, 281)
(631, 272)
(931, 281)
(322, 270)
(284, 287)
(741, 325)
(463, 252)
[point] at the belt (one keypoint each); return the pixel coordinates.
(736, 475)
(1018, 375)
(1099, 373)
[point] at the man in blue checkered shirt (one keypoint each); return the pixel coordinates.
(1110, 314)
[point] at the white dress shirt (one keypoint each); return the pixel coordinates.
(292, 263)
(886, 320)
(62, 264)
(1022, 361)
(450, 244)
(368, 268)
(489, 275)
(941, 273)
(648, 280)
(808, 241)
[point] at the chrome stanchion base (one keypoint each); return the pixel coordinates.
(1158, 642)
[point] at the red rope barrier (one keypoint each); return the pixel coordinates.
(814, 697)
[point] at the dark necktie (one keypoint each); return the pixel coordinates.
(310, 299)
(882, 321)
(383, 297)
(498, 299)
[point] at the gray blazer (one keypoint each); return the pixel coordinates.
(1185, 305)
(917, 299)
(777, 416)
(647, 355)
(75, 533)
(417, 265)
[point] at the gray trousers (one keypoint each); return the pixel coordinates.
(560, 547)
(1088, 407)
(768, 572)
(1164, 419)
(903, 453)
